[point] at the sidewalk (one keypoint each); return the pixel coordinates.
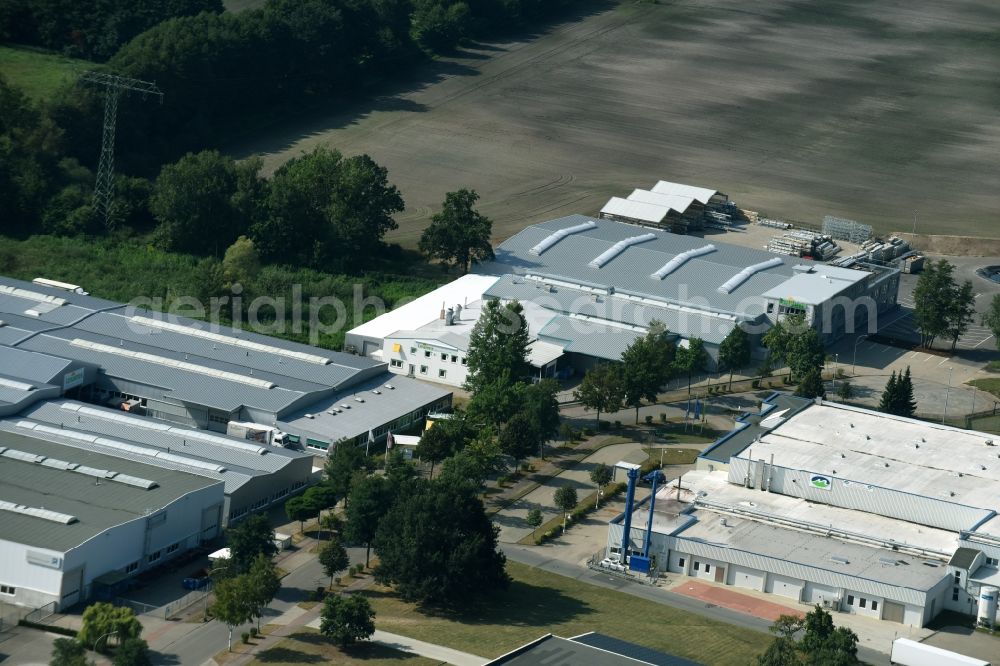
(413, 646)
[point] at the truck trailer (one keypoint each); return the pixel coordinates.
(257, 432)
(911, 653)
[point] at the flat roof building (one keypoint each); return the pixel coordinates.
(860, 511)
(71, 517)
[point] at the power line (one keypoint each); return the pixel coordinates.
(114, 86)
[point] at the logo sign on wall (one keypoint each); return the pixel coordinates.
(821, 482)
(72, 379)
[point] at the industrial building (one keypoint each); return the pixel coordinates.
(858, 511)
(673, 206)
(589, 649)
(60, 342)
(76, 522)
(590, 287)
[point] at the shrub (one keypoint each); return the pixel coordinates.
(649, 419)
(618, 425)
(663, 417)
(337, 581)
(604, 425)
(587, 432)
(755, 383)
(526, 467)
(253, 632)
(503, 480)
(245, 637)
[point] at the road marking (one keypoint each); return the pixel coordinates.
(886, 348)
(872, 345)
(984, 340)
(944, 361)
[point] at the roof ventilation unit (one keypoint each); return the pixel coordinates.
(310, 416)
(618, 248)
(679, 261)
(839, 559)
(359, 399)
(745, 274)
(344, 405)
(554, 238)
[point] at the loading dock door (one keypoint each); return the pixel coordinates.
(893, 612)
(785, 587)
(749, 578)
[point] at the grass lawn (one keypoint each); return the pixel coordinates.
(539, 602)
(988, 385)
(38, 73)
(308, 646)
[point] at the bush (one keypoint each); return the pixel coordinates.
(337, 580)
(503, 480)
(649, 419)
(603, 425)
(663, 417)
(253, 632)
(245, 637)
(526, 467)
(755, 383)
(587, 432)
(618, 425)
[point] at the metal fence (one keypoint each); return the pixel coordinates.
(169, 610)
(43, 614)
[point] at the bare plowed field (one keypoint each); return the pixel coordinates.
(868, 110)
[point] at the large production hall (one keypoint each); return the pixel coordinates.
(859, 511)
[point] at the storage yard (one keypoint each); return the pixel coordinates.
(790, 108)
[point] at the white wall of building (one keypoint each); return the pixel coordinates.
(430, 360)
(40, 576)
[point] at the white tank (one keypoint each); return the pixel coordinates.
(987, 615)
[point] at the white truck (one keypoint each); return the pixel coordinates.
(257, 432)
(911, 653)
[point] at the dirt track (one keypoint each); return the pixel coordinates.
(872, 111)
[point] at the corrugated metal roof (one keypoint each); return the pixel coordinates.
(37, 367)
(592, 339)
(695, 283)
(702, 194)
(97, 507)
(675, 202)
(636, 210)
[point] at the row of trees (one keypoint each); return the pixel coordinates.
(821, 642)
(897, 397)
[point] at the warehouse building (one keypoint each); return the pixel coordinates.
(591, 287)
(75, 522)
(673, 206)
(194, 374)
(858, 511)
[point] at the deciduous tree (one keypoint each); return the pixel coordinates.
(102, 619)
(566, 500)
(734, 352)
(248, 539)
(263, 583)
(647, 364)
(601, 475)
(458, 234)
(498, 346)
(132, 652)
(333, 558)
(932, 300)
(341, 466)
(961, 311)
(234, 603)
(991, 319)
(371, 498)
(691, 359)
(602, 389)
(301, 509)
(347, 618)
(68, 652)
(534, 519)
(437, 545)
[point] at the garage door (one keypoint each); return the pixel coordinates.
(785, 587)
(749, 578)
(893, 612)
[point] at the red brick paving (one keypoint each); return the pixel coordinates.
(726, 598)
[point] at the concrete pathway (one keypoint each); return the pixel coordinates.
(421, 648)
(512, 519)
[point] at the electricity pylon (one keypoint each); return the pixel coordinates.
(114, 86)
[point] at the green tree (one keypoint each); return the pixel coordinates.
(341, 466)
(845, 391)
(691, 359)
(248, 539)
(241, 262)
(132, 652)
(371, 499)
(347, 618)
(601, 476)
(321, 496)
(566, 500)
(646, 366)
(264, 584)
(783, 650)
(890, 395)
(445, 439)
(102, 619)
(437, 545)
(300, 509)
(602, 389)
(534, 519)
(518, 438)
(932, 301)
(961, 311)
(541, 408)
(734, 352)
(811, 385)
(778, 339)
(194, 195)
(234, 603)
(906, 404)
(805, 352)
(498, 347)
(333, 558)
(991, 319)
(458, 234)
(825, 644)
(439, 26)
(68, 652)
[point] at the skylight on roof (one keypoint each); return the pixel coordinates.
(557, 236)
(172, 363)
(745, 274)
(230, 340)
(44, 514)
(619, 247)
(680, 260)
(27, 295)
